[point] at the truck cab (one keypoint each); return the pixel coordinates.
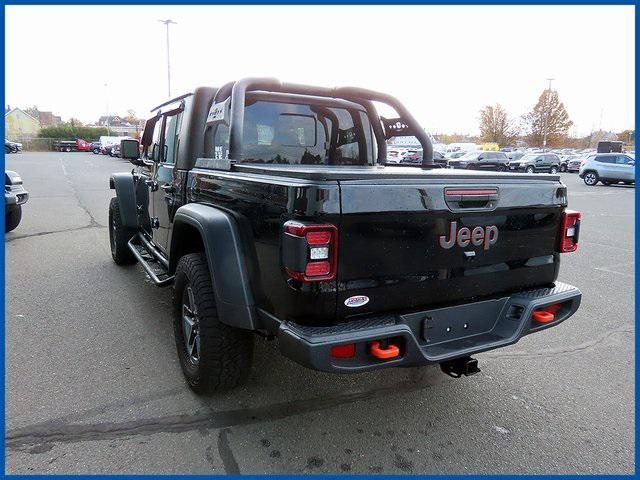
(270, 209)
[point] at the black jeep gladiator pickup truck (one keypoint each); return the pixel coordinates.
(269, 208)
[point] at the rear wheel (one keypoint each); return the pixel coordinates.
(12, 219)
(554, 169)
(531, 169)
(563, 168)
(502, 168)
(96, 151)
(119, 236)
(591, 178)
(7, 149)
(213, 356)
(68, 149)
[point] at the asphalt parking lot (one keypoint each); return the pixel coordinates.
(93, 384)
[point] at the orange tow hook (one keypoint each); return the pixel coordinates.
(542, 316)
(391, 351)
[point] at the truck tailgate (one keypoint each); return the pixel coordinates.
(412, 243)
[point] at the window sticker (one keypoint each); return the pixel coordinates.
(265, 134)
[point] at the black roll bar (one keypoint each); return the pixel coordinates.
(357, 95)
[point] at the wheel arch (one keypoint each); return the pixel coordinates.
(206, 229)
(124, 186)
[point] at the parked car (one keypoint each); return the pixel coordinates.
(14, 197)
(454, 155)
(414, 157)
(12, 147)
(95, 147)
(77, 145)
(438, 158)
(350, 269)
(608, 168)
(573, 165)
(481, 160)
(515, 155)
(395, 154)
(536, 162)
(106, 149)
(115, 151)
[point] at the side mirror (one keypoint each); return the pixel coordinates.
(130, 150)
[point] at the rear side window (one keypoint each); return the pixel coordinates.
(290, 133)
(605, 159)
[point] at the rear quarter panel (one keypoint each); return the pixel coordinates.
(261, 205)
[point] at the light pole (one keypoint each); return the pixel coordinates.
(168, 22)
(546, 114)
(106, 86)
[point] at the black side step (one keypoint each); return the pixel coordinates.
(152, 260)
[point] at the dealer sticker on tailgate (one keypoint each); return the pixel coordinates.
(356, 301)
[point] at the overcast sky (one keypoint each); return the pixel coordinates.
(444, 62)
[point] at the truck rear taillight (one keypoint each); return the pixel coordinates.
(570, 231)
(310, 252)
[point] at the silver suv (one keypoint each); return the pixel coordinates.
(608, 168)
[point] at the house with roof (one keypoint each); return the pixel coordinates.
(121, 125)
(19, 124)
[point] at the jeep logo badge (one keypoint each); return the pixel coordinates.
(486, 236)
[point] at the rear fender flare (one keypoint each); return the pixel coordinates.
(124, 186)
(226, 258)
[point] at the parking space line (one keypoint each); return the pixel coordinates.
(628, 250)
(610, 268)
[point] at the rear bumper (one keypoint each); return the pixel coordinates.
(427, 337)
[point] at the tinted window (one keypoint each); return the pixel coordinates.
(623, 159)
(605, 159)
(290, 133)
(501, 156)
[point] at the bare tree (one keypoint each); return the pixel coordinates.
(548, 114)
(495, 125)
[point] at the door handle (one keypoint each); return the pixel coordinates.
(167, 187)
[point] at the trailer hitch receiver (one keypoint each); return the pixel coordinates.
(460, 366)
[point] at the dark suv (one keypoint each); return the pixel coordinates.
(536, 162)
(481, 160)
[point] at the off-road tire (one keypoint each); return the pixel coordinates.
(591, 178)
(530, 169)
(12, 219)
(226, 353)
(119, 236)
